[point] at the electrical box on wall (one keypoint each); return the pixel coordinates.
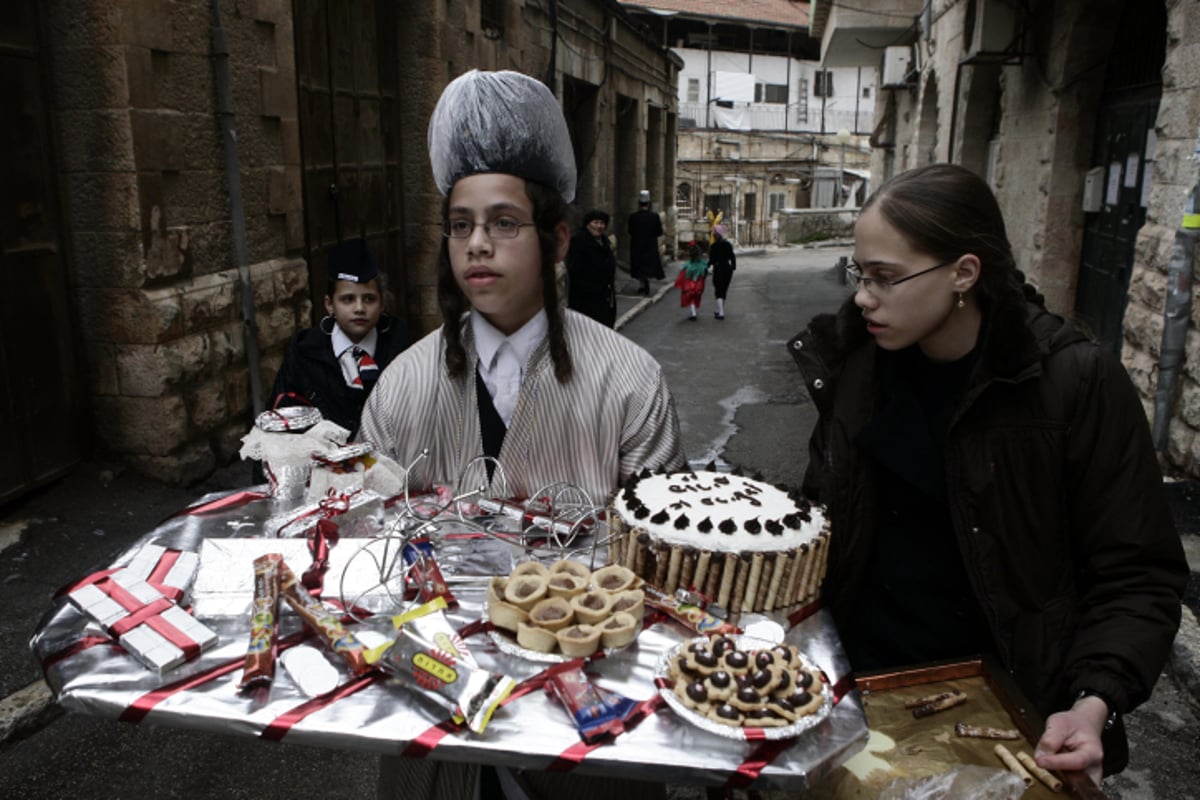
(896, 61)
(1093, 190)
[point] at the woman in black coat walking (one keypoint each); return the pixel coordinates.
(722, 262)
(592, 269)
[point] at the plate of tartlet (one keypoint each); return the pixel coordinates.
(564, 610)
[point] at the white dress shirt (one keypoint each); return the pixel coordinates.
(502, 359)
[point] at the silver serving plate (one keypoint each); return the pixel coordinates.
(507, 644)
(728, 731)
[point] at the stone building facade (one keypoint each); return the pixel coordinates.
(147, 236)
(1083, 117)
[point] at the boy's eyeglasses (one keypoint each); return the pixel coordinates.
(879, 286)
(499, 228)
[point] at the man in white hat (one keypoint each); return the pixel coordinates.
(645, 228)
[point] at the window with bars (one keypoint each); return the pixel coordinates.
(693, 90)
(823, 83)
(776, 201)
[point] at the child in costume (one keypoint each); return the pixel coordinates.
(690, 280)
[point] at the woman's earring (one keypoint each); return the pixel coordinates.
(960, 303)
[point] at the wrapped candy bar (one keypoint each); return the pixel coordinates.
(446, 677)
(264, 621)
(424, 575)
(323, 621)
(690, 616)
(155, 630)
(597, 714)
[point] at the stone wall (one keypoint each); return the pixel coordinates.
(1176, 173)
(148, 227)
(147, 211)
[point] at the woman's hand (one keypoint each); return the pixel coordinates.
(1071, 740)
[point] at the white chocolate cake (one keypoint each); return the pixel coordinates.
(744, 544)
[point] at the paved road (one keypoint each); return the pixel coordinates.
(739, 401)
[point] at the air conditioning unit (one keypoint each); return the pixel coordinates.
(997, 25)
(896, 61)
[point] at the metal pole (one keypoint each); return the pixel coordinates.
(237, 211)
(1176, 315)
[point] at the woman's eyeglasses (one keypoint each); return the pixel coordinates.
(879, 286)
(499, 228)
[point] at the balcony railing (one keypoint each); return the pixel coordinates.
(771, 117)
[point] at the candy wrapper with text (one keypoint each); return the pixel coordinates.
(323, 621)
(692, 617)
(598, 714)
(449, 678)
(264, 623)
(425, 577)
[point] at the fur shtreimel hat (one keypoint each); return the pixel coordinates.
(502, 122)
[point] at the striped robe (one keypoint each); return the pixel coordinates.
(614, 417)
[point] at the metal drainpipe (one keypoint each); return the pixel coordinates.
(1176, 315)
(220, 56)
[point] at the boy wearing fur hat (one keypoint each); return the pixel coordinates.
(549, 393)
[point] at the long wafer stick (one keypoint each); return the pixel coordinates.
(1015, 766)
(1043, 775)
(985, 732)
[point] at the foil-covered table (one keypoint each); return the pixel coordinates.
(90, 674)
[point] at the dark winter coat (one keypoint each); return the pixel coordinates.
(310, 370)
(644, 229)
(723, 262)
(591, 271)
(1055, 496)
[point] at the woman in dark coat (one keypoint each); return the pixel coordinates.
(989, 474)
(723, 262)
(591, 270)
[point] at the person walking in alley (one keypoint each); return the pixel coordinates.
(723, 262)
(988, 472)
(690, 280)
(592, 270)
(645, 229)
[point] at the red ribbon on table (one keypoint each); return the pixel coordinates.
(235, 500)
(90, 579)
(803, 613)
(323, 536)
(139, 708)
(160, 571)
(279, 727)
(758, 760)
(85, 643)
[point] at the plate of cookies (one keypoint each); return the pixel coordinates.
(729, 685)
(553, 613)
